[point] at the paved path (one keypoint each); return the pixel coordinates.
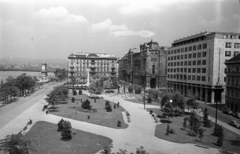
(140, 131)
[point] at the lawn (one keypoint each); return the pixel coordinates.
(231, 139)
(101, 117)
(49, 141)
(138, 98)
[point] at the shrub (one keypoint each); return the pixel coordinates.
(138, 89)
(172, 131)
(80, 92)
(220, 141)
(86, 105)
(60, 125)
(149, 100)
(119, 124)
(218, 131)
(151, 111)
(153, 93)
(66, 134)
(130, 88)
(108, 108)
(74, 92)
(73, 99)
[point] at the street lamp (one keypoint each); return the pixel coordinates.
(144, 84)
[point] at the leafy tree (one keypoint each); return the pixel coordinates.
(206, 121)
(66, 134)
(138, 89)
(218, 131)
(17, 144)
(60, 74)
(153, 93)
(201, 133)
(130, 88)
(108, 106)
(194, 123)
(95, 87)
(86, 105)
(107, 149)
(178, 101)
(141, 150)
(191, 102)
(24, 82)
(165, 100)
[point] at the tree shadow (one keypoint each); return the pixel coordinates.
(235, 142)
(53, 110)
(165, 121)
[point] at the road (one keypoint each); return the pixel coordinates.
(212, 112)
(14, 109)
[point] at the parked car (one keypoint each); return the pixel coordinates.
(236, 114)
(234, 123)
(226, 111)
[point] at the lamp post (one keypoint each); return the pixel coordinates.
(144, 84)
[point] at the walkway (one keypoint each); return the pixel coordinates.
(139, 133)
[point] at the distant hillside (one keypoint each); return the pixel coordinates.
(7, 61)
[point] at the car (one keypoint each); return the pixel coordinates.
(234, 123)
(236, 114)
(227, 111)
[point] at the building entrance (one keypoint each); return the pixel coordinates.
(153, 83)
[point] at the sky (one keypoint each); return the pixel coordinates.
(49, 29)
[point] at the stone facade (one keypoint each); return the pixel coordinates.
(146, 66)
(196, 64)
(233, 83)
(98, 64)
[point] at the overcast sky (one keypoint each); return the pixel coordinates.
(57, 28)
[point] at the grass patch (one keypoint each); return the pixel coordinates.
(49, 140)
(99, 116)
(230, 142)
(138, 98)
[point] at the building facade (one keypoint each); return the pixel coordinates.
(96, 64)
(233, 83)
(146, 66)
(196, 64)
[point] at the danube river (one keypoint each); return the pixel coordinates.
(5, 74)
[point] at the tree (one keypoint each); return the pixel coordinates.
(191, 102)
(178, 101)
(206, 121)
(65, 127)
(165, 100)
(95, 87)
(108, 106)
(194, 123)
(130, 88)
(24, 82)
(107, 149)
(86, 105)
(60, 74)
(17, 144)
(201, 133)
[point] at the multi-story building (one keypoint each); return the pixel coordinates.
(147, 65)
(97, 64)
(196, 64)
(233, 83)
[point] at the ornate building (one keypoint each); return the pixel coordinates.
(196, 64)
(96, 64)
(233, 83)
(147, 65)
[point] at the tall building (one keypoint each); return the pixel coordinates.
(147, 65)
(97, 64)
(233, 83)
(196, 64)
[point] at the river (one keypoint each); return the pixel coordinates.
(14, 74)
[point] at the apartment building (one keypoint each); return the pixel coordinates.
(196, 64)
(96, 64)
(233, 83)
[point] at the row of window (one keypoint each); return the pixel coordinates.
(190, 48)
(89, 61)
(188, 56)
(233, 80)
(187, 77)
(229, 45)
(233, 92)
(232, 69)
(188, 63)
(187, 70)
(229, 53)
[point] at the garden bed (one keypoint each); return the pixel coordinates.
(99, 116)
(231, 140)
(48, 140)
